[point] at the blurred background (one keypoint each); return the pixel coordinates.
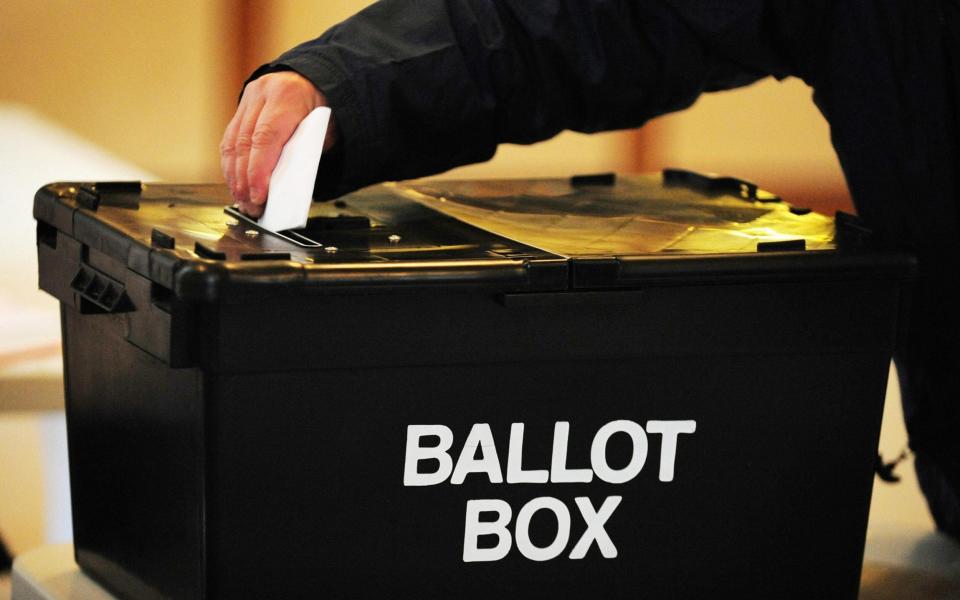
(136, 89)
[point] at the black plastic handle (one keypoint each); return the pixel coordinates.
(718, 184)
(104, 293)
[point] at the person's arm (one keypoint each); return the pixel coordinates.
(420, 86)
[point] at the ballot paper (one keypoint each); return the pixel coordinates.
(291, 185)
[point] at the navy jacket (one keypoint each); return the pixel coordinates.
(420, 86)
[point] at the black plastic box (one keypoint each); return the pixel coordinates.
(254, 415)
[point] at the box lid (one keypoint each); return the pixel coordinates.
(596, 232)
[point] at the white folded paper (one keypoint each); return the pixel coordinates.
(291, 185)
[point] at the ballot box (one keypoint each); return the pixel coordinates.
(659, 386)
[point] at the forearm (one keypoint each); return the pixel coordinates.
(420, 87)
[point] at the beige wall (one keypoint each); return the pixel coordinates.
(146, 80)
(770, 133)
(290, 22)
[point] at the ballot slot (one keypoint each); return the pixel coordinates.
(367, 227)
(307, 236)
(293, 236)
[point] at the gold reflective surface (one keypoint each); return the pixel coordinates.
(637, 215)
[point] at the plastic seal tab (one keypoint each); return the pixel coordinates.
(719, 184)
(88, 197)
(798, 245)
(159, 239)
(594, 179)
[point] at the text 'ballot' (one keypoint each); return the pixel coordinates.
(431, 463)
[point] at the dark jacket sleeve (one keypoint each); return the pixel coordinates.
(421, 86)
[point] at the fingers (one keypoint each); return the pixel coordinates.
(269, 112)
(242, 146)
(228, 146)
(252, 210)
(275, 125)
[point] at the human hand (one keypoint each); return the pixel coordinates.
(269, 111)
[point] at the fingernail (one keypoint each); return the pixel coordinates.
(256, 196)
